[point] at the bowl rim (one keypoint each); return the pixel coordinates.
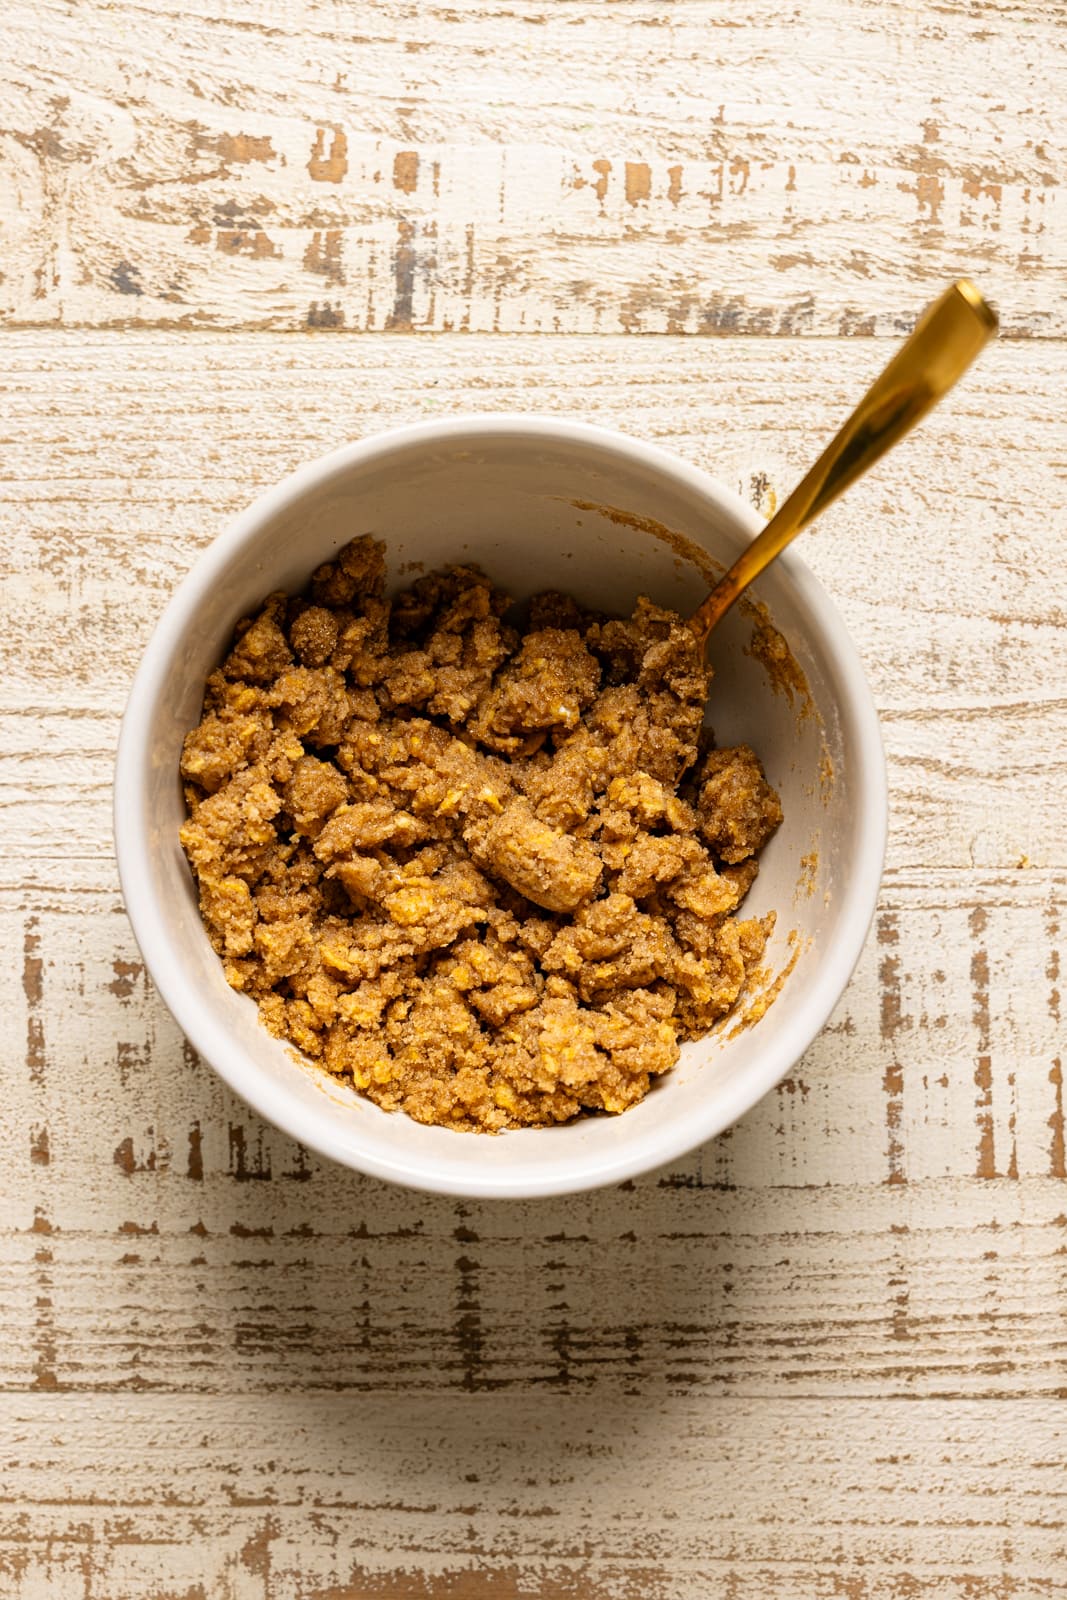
(270, 1098)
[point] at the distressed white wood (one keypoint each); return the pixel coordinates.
(872, 1261)
(502, 1496)
(947, 563)
(825, 1358)
(543, 165)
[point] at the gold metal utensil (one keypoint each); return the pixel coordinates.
(947, 337)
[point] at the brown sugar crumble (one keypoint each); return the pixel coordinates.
(485, 872)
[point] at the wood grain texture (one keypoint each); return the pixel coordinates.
(504, 1497)
(575, 166)
(886, 1223)
(122, 459)
(825, 1357)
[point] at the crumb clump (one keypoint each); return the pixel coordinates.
(488, 874)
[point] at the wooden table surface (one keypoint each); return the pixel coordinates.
(826, 1356)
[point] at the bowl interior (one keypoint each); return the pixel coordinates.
(533, 506)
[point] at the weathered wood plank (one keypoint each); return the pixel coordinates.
(890, 1221)
(825, 1358)
(592, 167)
(121, 461)
(400, 1498)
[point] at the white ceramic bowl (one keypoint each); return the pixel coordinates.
(519, 495)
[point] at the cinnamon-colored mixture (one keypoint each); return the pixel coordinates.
(485, 872)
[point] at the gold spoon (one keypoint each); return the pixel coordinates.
(947, 338)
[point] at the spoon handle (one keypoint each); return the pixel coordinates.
(947, 337)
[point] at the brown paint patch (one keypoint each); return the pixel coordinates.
(194, 1167)
(931, 132)
(326, 315)
(467, 1324)
(632, 310)
(157, 1159)
(125, 278)
(44, 1330)
(739, 174)
(680, 314)
(1013, 1116)
(301, 1169)
(790, 259)
(200, 234)
(603, 170)
(47, 145)
(126, 975)
(638, 181)
(467, 289)
(33, 989)
(499, 1583)
(1052, 966)
(131, 1057)
(891, 1022)
(975, 189)
(674, 185)
(899, 1324)
(986, 1166)
(44, 1366)
(399, 319)
(255, 1552)
(406, 171)
(323, 254)
(929, 192)
(40, 1149)
(717, 188)
(328, 167)
(241, 147)
(234, 214)
(245, 1166)
(32, 965)
(1057, 1149)
(246, 242)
